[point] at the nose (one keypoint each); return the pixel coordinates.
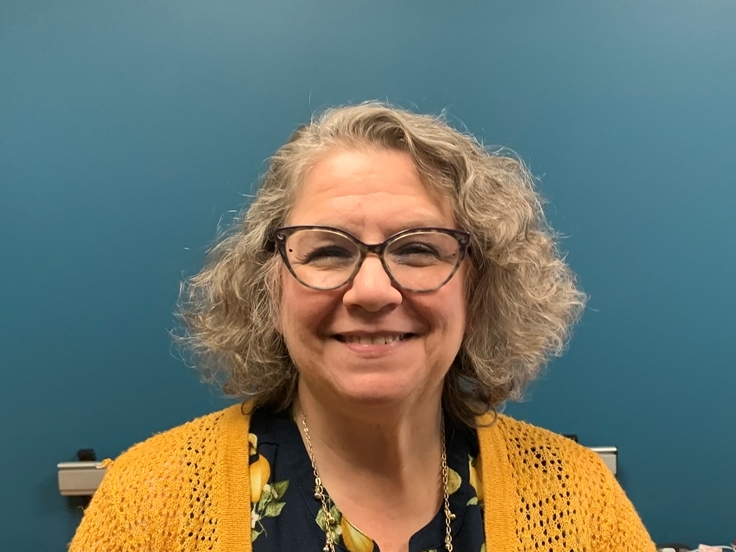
(372, 288)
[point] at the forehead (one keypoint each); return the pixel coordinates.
(369, 188)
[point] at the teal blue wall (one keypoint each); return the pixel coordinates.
(129, 128)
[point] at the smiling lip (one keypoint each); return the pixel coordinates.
(383, 338)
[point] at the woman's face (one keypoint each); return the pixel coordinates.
(372, 195)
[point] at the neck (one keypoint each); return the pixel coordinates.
(380, 465)
(375, 440)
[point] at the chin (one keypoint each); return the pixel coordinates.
(380, 391)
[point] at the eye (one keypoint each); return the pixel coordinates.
(328, 257)
(328, 253)
(416, 248)
(415, 254)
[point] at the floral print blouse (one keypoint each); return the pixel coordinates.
(285, 515)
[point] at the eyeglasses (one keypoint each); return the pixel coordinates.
(325, 258)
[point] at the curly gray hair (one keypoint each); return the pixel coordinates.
(521, 296)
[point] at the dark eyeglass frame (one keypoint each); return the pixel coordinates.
(282, 234)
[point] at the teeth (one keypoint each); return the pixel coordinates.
(379, 340)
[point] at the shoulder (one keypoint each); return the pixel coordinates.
(198, 437)
(171, 488)
(541, 473)
(545, 462)
(173, 458)
(541, 447)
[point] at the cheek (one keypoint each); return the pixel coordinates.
(290, 310)
(455, 307)
(445, 314)
(294, 315)
(303, 312)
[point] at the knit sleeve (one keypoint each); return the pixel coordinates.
(186, 489)
(134, 507)
(617, 524)
(552, 494)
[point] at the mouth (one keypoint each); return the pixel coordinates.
(373, 339)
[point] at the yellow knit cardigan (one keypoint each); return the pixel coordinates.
(188, 489)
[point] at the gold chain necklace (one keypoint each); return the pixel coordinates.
(330, 521)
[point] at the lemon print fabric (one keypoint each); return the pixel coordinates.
(265, 496)
(353, 539)
(284, 514)
(343, 532)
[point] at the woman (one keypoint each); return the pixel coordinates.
(390, 286)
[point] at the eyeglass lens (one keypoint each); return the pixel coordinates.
(324, 259)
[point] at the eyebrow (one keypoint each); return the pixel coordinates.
(422, 218)
(391, 228)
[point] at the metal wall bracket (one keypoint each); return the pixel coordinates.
(609, 455)
(80, 478)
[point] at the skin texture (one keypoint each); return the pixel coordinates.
(372, 196)
(371, 407)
